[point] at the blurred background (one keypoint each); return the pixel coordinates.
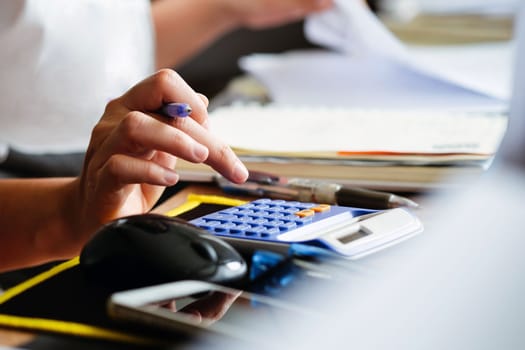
(425, 22)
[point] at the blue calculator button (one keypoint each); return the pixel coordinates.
(246, 212)
(223, 228)
(274, 223)
(295, 204)
(272, 210)
(263, 200)
(242, 219)
(258, 221)
(276, 216)
(220, 217)
(259, 213)
(213, 223)
(303, 221)
(270, 231)
(198, 222)
(298, 220)
(240, 229)
(287, 226)
(255, 231)
(207, 225)
(246, 206)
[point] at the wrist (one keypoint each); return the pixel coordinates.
(63, 236)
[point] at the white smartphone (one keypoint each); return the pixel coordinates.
(195, 307)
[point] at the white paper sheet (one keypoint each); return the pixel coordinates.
(367, 67)
(271, 128)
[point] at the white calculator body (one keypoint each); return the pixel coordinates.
(276, 224)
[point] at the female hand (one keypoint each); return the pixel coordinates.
(133, 152)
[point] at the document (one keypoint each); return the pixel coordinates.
(365, 66)
(328, 132)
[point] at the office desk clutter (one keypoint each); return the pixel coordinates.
(287, 242)
(143, 251)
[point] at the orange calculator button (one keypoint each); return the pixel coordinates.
(305, 213)
(320, 208)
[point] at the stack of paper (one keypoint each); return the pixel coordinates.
(408, 150)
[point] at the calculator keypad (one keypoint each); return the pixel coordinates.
(263, 218)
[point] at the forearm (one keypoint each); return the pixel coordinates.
(35, 221)
(184, 27)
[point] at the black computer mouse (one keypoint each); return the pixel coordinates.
(150, 249)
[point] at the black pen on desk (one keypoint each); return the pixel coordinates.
(175, 109)
(325, 192)
(304, 190)
(369, 198)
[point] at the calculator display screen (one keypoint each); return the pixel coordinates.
(352, 237)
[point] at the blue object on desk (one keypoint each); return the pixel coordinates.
(276, 224)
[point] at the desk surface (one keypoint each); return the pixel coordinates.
(458, 285)
(16, 338)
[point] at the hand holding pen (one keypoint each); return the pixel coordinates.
(130, 160)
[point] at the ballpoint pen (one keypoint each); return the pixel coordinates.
(324, 192)
(305, 190)
(175, 109)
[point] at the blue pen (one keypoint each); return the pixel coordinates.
(175, 109)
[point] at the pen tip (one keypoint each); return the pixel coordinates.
(396, 201)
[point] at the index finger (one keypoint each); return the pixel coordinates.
(165, 86)
(220, 157)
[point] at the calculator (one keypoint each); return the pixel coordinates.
(275, 224)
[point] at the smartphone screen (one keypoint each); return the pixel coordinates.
(195, 306)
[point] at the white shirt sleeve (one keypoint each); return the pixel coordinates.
(61, 61)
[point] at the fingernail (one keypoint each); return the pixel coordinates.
(240, 173)
(200, 152)
(171, 177)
